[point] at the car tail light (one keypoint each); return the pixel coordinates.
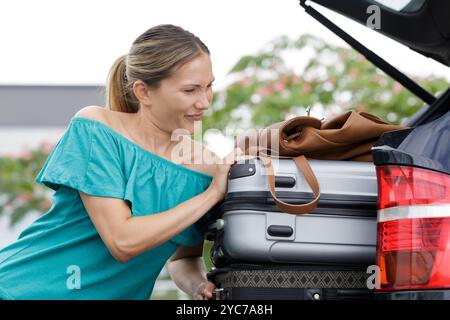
(413, 243)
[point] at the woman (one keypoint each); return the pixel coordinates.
(122, 206)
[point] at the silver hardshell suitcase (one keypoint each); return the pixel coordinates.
(340, 231)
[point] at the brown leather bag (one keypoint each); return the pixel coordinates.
(348, 136)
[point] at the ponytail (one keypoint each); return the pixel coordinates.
(119, 95)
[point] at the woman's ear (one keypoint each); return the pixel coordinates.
(142, 92)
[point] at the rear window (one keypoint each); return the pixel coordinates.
(402, 5)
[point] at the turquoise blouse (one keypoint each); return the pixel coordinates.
(61, 255)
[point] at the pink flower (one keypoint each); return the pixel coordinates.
(307, 88)
(264, 91)
(331, 81)
(278, 86)
(45, 204)
(46, 147)
(244, 82)
(22, 199)
(354, 72)
(396, 87)
(27, 155)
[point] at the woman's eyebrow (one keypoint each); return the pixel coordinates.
(195, 84)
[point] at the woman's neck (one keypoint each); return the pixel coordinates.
(144, 130)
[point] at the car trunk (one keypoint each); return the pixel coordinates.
(413, 247)
(422, 25)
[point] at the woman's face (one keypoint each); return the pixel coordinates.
(182, 98)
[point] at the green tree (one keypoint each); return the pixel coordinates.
(267, 88)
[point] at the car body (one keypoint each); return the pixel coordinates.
(413, 165)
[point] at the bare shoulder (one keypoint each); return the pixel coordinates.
(112, 119)
(95, 113)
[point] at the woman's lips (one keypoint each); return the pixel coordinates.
(195, 117)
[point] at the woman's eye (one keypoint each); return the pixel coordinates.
(189, 91)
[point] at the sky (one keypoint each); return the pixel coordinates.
(76, 42)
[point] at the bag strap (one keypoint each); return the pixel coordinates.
(310, 177)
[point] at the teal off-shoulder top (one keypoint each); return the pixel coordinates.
(61, 255)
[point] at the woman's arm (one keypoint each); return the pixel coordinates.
(187, 270)
(127, 236)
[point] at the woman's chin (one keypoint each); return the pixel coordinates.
(192, 126)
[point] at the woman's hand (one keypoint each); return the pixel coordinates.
(219, 183)
(204, 291)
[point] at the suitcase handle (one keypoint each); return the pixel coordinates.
(284, 182)
(304, 167)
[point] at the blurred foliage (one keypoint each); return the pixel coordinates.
(19, 193)
(268, 89)
(206, 254)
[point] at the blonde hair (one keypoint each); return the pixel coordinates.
(153, 56)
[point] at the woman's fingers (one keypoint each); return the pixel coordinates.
(207, 294)
(208, 291)
(205, 291)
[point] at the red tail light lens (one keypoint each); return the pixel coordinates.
(413, 249)
(406, 186)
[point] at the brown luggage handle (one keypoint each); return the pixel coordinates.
(310, 177)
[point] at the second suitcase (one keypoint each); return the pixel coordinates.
(289, 282)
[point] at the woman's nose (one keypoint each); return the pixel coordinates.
(203, 102)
